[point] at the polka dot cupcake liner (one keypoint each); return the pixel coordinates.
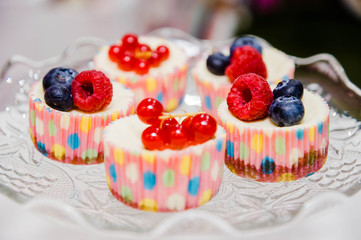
(280, 154)
(69, 137)
(167, 180)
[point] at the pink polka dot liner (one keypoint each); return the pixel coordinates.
(69, 137)
(164, 181)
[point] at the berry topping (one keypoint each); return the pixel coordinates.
(59, 76)
(286, 111)
(177, 137)
(149, 110)
(290, 87)
(163, 51)
(153, 138)
(131, 55)
(130, 41)
(249, 62)
(250, 97)
(91, 90)
(58, 97)
(217, 63)
(247, 40)
(203, 127)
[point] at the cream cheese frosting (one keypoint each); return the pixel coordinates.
(121, 100)
(177, 59)
(316, 110)
(278, 65)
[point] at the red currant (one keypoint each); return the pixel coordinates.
(187, 124)
(149, 110)
(130, 41)
(163, 52)
(203, 126)
(142, 67)
(152, 138)
(155, 59)
(126, 62)
(177, 137)
(114, 52)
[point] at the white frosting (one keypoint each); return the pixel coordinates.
(316, 110)
(177, 59)
(127, 133)
(121, 100)
(278, 65)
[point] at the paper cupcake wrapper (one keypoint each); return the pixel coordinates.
(278, 155)
(212, 96)
(66, 137)
(165, 182)
(168, 88)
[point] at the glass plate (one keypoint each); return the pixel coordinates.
(79, 194)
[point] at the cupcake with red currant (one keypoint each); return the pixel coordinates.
(163, 162)
(273, 136)
(69, 110)
(150, 66)
(215, 72)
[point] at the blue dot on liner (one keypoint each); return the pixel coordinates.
(160, 97)
(37, 100)
(310, 174)
(219, 144)
(112, 172)
(268, 165)
(149, 180)
(41, 148)
(207, 100)
(320, 127)
(300, 134)
(193, 186)
(230, 148)
(73, 141)
(48, 109)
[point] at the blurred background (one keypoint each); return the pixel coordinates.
(40, 29)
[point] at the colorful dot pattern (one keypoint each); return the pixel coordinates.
(167, 88)
(67, 137)
(153, 181)
(279, 155)
(212, 96)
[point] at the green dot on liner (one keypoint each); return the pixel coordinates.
(52, 128)
(32, 117)
(126, 194)
(206, 161)
(175, 84)
(89, 153)
(168, 178)
(280, 146)
(243, 151)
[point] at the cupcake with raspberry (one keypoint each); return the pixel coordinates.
(68, 112)
(279, 135)
(215, 72)
(156, 161)
(150, 66)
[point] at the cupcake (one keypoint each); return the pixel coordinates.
(151, 66)
(167, 166)
(274, 136)
(215, 72)
(68, 112)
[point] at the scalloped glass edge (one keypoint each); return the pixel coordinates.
(194, 47)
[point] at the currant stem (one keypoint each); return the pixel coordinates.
(169, 115)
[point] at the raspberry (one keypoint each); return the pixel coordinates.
(246, 60)
(250, 97)
(91, 91)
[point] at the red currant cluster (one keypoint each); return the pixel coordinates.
(130, 55)
(166, 132)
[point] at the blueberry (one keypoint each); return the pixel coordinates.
(217, 63)
(247, 40)
(58, 97)
(290, 87)
(60, 76)
(286, 111)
